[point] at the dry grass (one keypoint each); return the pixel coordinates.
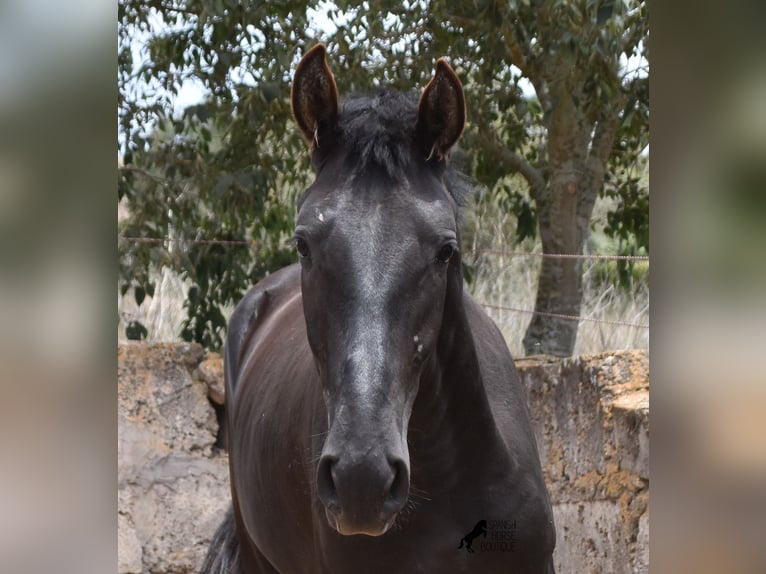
(499, 280)
(511, 281)
(163, 314)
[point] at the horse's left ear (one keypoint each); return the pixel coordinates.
(441, 112)
(314, 95)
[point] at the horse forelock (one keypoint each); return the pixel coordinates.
(378, 131)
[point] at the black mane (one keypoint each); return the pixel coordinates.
(378, 130)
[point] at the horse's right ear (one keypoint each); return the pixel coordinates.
(441, 112)
(314, 96)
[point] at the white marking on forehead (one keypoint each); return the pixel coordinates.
(371, 252)
(416, 338)
(320, 216)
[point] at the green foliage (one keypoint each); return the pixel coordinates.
(233, 166)
(229, 168)
(625, 274)
(135, 331)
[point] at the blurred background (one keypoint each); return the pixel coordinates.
(57, 254)
(708, 97)
(61, 151)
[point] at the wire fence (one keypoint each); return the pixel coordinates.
(596, 257)
(183, 240)
(567, 317)
(565, 255)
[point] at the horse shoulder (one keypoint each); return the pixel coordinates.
(251, 312)
(272, 409)
(508, 401)
(501, 379)
(506, 395)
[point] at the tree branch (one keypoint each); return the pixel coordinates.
(515, 52)
(607, 125)
(601, 146)
(134, 169)
(524, 61)
(598, 156)
(516, 162)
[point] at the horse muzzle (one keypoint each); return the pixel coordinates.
(362, 494)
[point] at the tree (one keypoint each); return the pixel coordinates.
(580, 135)
(227, 168)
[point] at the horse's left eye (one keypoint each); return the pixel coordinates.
(445, 253)
(302, 248)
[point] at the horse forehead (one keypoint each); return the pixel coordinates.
(365, 212)
(414, 197)
(396, 219)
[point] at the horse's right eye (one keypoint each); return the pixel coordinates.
(445, 253)
(302, 248)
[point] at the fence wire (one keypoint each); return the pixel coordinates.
(567, 317)
(182, 240)
(599, 257)
(565, 255)
(478, 251)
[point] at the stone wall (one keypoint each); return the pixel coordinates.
(173, 484)
(591, 419)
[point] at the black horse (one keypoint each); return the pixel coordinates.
(373, 408)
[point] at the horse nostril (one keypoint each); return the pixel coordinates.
(400, 486)
(326, 490)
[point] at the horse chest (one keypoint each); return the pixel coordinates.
(446, 548)
(468, 532)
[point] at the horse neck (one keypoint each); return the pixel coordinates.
(451, 418)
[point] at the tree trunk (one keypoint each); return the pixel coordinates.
(559, 288)
(564, 208)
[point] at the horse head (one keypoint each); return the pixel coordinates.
(377, 238)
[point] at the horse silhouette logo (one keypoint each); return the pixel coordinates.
(478, 530)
